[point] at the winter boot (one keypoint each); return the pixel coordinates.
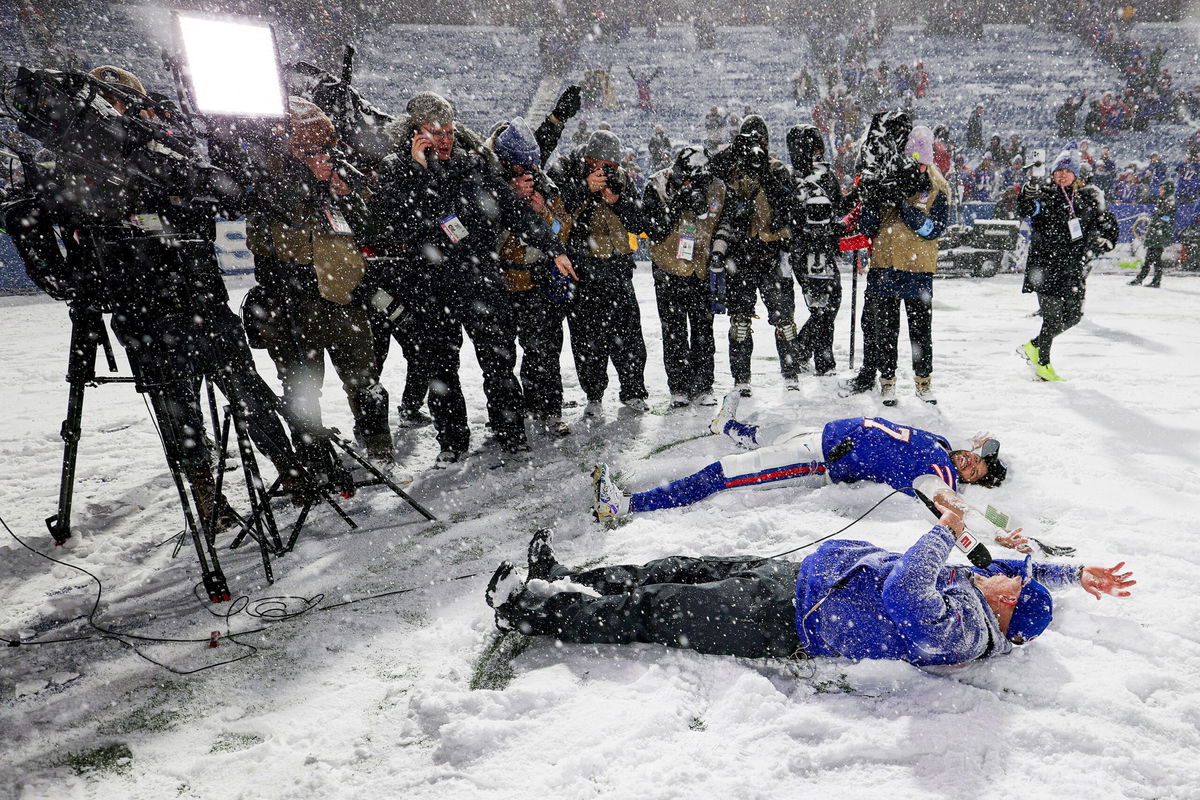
(706, 399)
(925, 390)
(448, 457)
(743, 389)
(594, 408)
(204, 492)
(413, 417)
(609, 502)
(542, 562)
(637, 404)
(553, 425)
(887, 391)
(861, 383)
(679, 400)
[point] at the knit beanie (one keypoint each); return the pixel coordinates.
(1068, 160)
(121, 77)
(919, 146)
(311, 128)
(516, 144)
(430, 107)
(1032, 614)
(603, 146)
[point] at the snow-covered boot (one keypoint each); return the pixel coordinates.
(541, 556)
(925, 389)
(887, 391)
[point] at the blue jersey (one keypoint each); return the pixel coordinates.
(885, 452)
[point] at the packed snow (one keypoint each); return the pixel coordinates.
(414, 695)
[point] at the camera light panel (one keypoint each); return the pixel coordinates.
(233, 67)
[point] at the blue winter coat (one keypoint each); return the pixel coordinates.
(858, 601)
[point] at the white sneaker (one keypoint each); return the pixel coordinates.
(609, 502)
(594, 408)
(680, 401)
(707, 399)
(743, 389)
(728, 411)
(887, 391)
(636, 404)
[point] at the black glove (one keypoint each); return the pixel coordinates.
(568, 103)
(1032, 189)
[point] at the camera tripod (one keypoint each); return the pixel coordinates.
(88, 335)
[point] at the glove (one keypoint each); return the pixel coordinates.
(568, 104)
(716, 290)
(1032, 189)
(561, 288)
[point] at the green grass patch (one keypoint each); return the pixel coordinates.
(114, 758)
(493, 668)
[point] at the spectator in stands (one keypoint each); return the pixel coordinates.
(1093, 121)
(1187, 174)
(682, 206)
(904, 227)
(985, 181)
(714, 128)
(643, 80)
(943, 149)
(1014, 174)
(1066, 116)
(975, 128)
(1014, 149)
(580, 137)
(995, 150)
(920, 80)
(1126, 192)
(659, 148)
(605, 321)
(1160, 235)
(1085, 153)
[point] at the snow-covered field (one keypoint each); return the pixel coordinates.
(394, 697)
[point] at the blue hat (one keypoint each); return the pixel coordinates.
(1068, 160)
(516, 145)
(1033, 612)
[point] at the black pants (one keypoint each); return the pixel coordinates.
(738, 606)
(1153, 259)
(881, 329)
(755, 272)
(540, 333)
(687, 332)
(383, 331)
(440, 314)
(1059, 313)
(606, 324)
(823, 296)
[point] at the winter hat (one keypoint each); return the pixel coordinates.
(311, 128)
(689, 163)
(1068, 160)
(603, 146)
(430, 107)
(121, 77)
(920, 144)
(803, 144)
(1032, 614)
(755, 127)
(516, 144)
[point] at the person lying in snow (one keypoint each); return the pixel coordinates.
(847, 599)
(843, 451)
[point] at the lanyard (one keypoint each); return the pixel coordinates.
(1070, 202)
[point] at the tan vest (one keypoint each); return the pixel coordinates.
(608, 235)
(762, 216)
(666, 254)
(335, 257)
(515, 256)
(896, 245)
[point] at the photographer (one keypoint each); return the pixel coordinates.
(308, 268)
(817, 207)
(1070, 227)
(683, 205)
(904, 213)
(748, 258)
(538, 293)
(605, 320)
(439, 211)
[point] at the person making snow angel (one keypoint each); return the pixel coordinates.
(842, 451)
(848, 599)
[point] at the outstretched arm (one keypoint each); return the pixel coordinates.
(1097, 581)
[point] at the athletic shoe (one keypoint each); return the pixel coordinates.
(861, 383)
(413, 417)
(887, 391)
(594, 408)
(505, 584)
(1135, 282)
(541, 556)
(609, 502)
(638, 404)
(680, 401)
(728, 412)
(1047, 373)
(925, 390)
(1029, 352)
(743, 389)
(706, 399)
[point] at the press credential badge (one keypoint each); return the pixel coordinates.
(453, 227)
(687, 244)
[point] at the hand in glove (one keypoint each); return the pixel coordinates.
(568, 104)
(716, 290)
(1032, 189)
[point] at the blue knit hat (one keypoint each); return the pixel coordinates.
(1068, 160)
(516, 144)
(1034, 609)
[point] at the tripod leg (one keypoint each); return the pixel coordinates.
(384, 479)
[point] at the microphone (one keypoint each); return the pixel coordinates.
(977, 554)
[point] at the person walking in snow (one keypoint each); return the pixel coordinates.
(848, 599)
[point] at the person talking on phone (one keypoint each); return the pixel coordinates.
(439, 211)
(1070, 227)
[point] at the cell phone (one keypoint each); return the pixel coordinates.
(1038, 157)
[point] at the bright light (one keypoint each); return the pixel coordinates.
(233, 67)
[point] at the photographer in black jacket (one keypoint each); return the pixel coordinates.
(817, 207)
(439, 211)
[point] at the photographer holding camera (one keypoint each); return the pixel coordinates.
(438, 213)
(308, 268)
(904, 211)
(748, 255)
(605, 320)
(683, 206)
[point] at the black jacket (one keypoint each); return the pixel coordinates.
(1056, 260)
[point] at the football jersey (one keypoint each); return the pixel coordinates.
(884, 452)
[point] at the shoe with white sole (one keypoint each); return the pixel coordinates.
(706, 399)
(609, 502)
(680, 401)
(638, 404)
(728, 411)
